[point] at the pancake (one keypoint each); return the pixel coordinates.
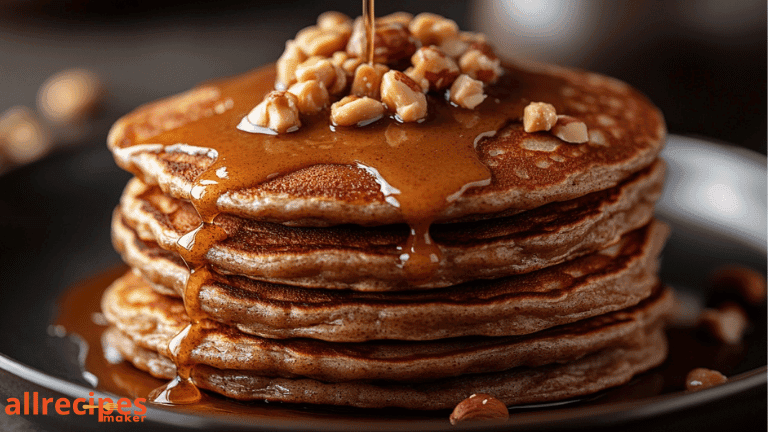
(152, 320)
(363, 259)
(589, 374)
(617, 277)
(526, 170)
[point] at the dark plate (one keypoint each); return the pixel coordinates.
(54, 217)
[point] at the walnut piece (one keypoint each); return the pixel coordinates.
(701, 378)
(434, 66)
(354, 110)
(327, 61)
(287, 63)
(420, 80)
(467, 92)
(321, 69)
(480, 66)
(346, 62)
(570, 130)
(336, 22)
(278, 111)
(392, 42)
(480, 407)
(432, 29)
(539, 116)
(312, 96)
(403, 18)
(23, 138)
(747, 284)
(315, 41)
(454, 47)
(70, 95)
(402, 95)
(367, 80)
(727, 323)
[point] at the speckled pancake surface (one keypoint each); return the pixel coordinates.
(616, 277)
(151, 320)
(527, 170)
(364, 259)
(589, 374)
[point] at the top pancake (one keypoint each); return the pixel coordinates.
(527, 170)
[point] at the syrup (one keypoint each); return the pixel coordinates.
(429, 166)
(370, 29)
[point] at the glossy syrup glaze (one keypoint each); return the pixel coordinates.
(421, 168)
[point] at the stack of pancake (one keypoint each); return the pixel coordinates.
(545, 288)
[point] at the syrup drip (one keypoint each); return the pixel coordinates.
(182, 390)
(192, 247)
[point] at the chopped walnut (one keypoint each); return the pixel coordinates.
(454, 47)
(328, 60)
(315, 41)
(70, 96)
(418, 79)
(23, 137)
(346, 62)
(335, 21)
(278, 111)
(287, 63)
(701, 378)
(570, 130)
(354, 110)
(743, 282)
(403, 18)
(367, 80)
(321, 69)
(457, 46)
(341, 81)
(392, 42)
(481, 66)
(473, 37)
(727, 323)
(402, 95)
(312, 96)
(539, 116)
(432, 29)
(467, 92)
(432, 64)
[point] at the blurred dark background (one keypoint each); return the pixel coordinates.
(702, 61)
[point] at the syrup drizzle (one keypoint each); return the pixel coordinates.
(421, 169)
(370, 29)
